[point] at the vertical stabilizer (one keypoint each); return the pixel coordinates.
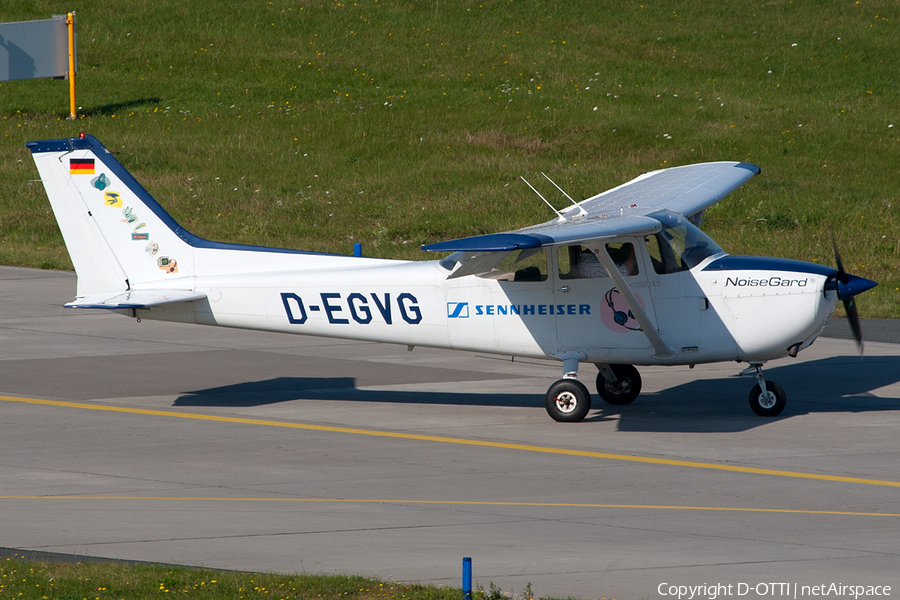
(116, 233)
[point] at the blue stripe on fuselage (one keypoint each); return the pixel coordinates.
(765, 263)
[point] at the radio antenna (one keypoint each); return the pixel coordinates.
(581, 210)
(562, 219)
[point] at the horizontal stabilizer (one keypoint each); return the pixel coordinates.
(135, 299)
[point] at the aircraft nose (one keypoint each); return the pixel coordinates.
(851, 285)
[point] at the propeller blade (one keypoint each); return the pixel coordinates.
(848, 286)
(853, 319)
(842, 274)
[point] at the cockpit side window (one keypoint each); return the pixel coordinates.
(661, 255)
(679, 245)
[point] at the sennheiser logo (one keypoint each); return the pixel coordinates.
(457, 310)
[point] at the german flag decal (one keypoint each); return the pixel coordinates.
(81, 166)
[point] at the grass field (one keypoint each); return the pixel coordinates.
(395, 123)
(38, 580)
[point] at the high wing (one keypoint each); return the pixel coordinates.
(621, 211)
(688, 190)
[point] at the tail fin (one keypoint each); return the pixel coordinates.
(116, 233)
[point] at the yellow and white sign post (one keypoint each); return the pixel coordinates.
(70, 27)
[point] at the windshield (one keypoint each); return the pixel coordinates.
(681, 245)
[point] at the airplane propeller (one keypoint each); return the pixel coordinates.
(848, 286)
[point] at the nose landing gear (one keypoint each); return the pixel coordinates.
(767, 398)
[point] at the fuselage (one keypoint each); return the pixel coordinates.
(725, 308)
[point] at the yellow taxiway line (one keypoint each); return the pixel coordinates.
(456, 441)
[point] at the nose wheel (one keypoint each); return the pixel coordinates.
(767, 398)
(768, 403)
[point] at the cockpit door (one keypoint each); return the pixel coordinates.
(590, 312)
(688, 319)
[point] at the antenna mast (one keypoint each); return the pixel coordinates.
(562, 219)
(581, 210)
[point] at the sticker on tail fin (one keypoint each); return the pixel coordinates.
(112, 198)
(81, 166)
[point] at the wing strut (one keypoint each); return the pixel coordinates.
(660, 348)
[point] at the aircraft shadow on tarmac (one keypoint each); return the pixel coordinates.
(286, 389)
(833, 385)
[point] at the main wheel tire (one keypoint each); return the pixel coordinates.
(568, 401)
(625, 390)
(769, 404)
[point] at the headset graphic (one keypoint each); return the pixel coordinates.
(620, 317)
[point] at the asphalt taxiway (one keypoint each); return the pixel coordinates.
(266, 452)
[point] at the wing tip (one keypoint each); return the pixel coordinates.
(756, 170)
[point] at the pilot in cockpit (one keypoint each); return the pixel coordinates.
(588, 265)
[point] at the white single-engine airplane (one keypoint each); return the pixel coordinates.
(623, 278)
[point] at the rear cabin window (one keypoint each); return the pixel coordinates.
(525, 265)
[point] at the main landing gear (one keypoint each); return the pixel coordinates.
(568, 400)
(618, 384)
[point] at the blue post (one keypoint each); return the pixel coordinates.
(357, 249)
(467, 578)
